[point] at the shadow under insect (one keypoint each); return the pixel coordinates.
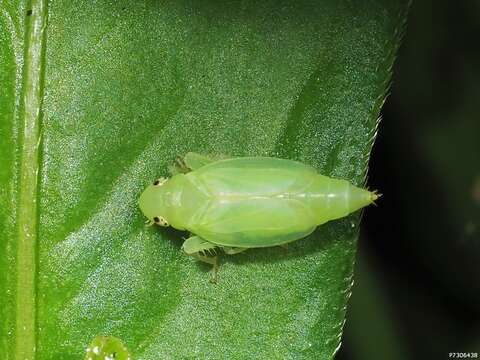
(324, 237)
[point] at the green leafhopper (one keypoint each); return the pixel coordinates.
(247, 202)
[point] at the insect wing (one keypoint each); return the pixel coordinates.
(255, 222)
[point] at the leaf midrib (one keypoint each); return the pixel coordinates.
(29, 152)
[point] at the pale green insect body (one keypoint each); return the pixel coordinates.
(249, 202)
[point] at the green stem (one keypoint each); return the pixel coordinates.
(27, 220)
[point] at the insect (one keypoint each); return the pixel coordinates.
(240, 203)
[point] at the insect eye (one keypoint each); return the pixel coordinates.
(160, 221)
(159, 181)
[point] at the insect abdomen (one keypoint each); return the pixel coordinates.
(331, 199)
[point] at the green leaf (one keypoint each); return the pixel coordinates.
(127, 86)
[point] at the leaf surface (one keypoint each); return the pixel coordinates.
(124, 87)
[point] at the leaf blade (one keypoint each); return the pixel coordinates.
(131, 86)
